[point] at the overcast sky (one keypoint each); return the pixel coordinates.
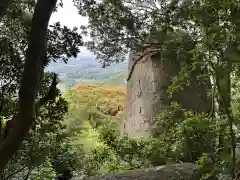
(68, 16)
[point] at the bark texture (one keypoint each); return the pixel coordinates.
(168, 172)
(147, 91)
(30, 81)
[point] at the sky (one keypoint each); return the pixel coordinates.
(68, 16)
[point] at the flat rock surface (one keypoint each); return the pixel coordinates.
(185, 171)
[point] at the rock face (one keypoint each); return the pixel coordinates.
(186, 171)
(147, 91)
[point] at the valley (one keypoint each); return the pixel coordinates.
(86, 69)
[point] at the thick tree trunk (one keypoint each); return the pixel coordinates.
(30, 81)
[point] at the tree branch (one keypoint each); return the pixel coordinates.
(51, 95)
(30, 81)
(147, 53)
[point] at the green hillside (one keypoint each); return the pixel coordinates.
(86, 69)
(90, 104)
(117, 79)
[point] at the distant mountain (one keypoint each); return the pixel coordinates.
(86, 69)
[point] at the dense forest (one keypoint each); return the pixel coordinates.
(46, 133)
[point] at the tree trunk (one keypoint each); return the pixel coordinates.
(30, 81)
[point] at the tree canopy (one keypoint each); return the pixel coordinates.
(27, 46)
(202, 35)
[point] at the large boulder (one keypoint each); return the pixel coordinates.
(149, 76)
(147, 91)
(185, 171)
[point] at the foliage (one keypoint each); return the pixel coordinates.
(89, 106)
(105, 99)
(179, 143)
(45, 146)
(44, 171)
(186, 135)
(202, 35)
(45, 135)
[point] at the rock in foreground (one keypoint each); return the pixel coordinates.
(185, 171)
